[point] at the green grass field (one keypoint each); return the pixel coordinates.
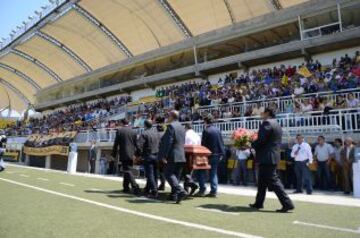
(77, 211)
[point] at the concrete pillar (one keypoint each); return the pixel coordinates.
(27, 159)
(97, 161)
(48, 162)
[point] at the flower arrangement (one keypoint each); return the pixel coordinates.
(242, 137)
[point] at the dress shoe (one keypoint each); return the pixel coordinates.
(153, 195)
(200, 194)
(181, 196)
(137, 191)
(285, 209)
(297, 192)
(257, 207)
(194, 187)
(211, 195)
(126, 190)
(161, 187)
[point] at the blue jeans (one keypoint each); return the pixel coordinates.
(323, 172)
(151, 173)
(303, 177)
(201, 175)
(102, 166)
(240, 171)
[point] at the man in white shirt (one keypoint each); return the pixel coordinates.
(240, 170)
(191, 138)
(323, 153)
(301, 152)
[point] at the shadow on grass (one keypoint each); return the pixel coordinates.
(232, 209)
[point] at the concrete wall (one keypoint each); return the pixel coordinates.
(327, 58)
(83, 165)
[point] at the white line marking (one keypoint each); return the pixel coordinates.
(217, 211)
(9, 172)
(327, 227)
(136, 213)
(95, 189)
(43, 179)
(24, 175)
(67, 184)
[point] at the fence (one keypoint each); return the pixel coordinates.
(281, 102)
(313, 124)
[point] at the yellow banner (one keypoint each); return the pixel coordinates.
(50, 150)
(63, 138)
(4, 123)
(304, 72)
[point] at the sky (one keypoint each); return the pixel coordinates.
(14, 12)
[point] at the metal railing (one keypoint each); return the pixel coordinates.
(281, 102)
(334, 123)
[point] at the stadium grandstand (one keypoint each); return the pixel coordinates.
(73, 72)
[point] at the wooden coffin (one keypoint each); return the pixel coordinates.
(197, 157)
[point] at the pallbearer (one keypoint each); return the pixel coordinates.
(148, 150)
(173, 155)
(126, 145)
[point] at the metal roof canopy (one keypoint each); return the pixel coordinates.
(80, 36)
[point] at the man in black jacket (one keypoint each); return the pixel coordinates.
(211, 139)
(148, 149)
(267, 148)
(173, 155)
(126, 145)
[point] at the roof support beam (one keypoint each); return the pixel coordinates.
(104, 29)
(21, 75)
(276, 4)
(15, 90)
(177, 20)
(231, 14)
(67, 50)
(38, 63)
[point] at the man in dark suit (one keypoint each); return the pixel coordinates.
(148, 149)
(126, 145)
(92, 157)
(211, 139)
(267, 148)
(172, 154)
(347, 157)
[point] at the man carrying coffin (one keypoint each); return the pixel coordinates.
(191, 138)
(172, 154)
(267, 148)
(148, 149)
(126, 145)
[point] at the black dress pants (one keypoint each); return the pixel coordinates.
(172, 173)
(268, 179)
(129, 178)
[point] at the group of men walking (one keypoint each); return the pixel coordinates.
(163, 156)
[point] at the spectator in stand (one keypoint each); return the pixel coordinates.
(352, 102)
(323, 154)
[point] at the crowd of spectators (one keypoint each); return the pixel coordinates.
(256, 85)
(259, 85)
(75, 117)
